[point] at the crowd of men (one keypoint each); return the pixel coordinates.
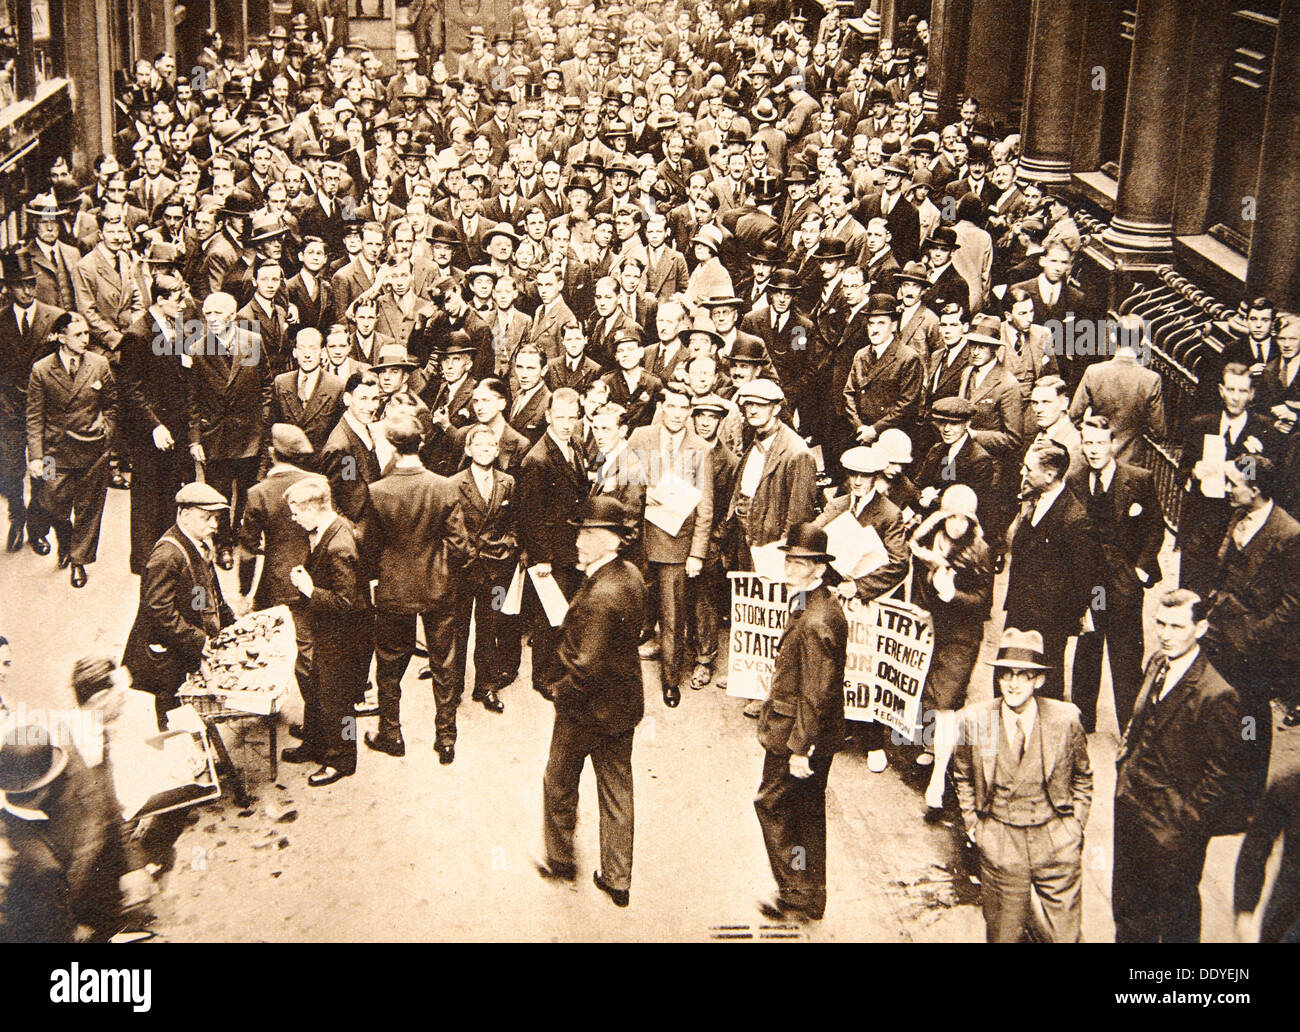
(637, 292)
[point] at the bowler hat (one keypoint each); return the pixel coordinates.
(17, 266)
(943, 236)
(832, 249)
(882, 304)
(444, 233)
(29, 760)
(784, 279)
(766, 188)
(457, 343)
(807, 541)
(605, 512)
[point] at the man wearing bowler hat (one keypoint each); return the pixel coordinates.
(1025, 787)
(181, 606)
(24, 338)
(800, 727)
(885, 383)
(599, 700)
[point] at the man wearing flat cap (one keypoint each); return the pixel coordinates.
(181, 605)
(599, 700)
(1025, 788)
(800, 727)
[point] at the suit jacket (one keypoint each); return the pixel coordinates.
(531, 419)
(317, 311)
(601, 333)
(1203, 520)
(277, 352)
(972, 466)
(790, 348)
(345, 286)
(547, 327)
(998, 421)
(230, 401)
(559, 375)
(1129, 396)
(600, 684)
(18, 353)
(952, 285)
(339, 594)
(414, 540)
(1182, 763)
(787, 490)
(884, 517)
(551, 490)
(1067, 773)
(47, 276)
(267, 529)
(1255, 607)
(351, 468)
(1045, 591)
(109, 303)
(904, 225)
(667, 275)
(1130, 528)
(392, 322)
(693, 463)
(180, 608)
(805, 709)
(920, 332)
(318, 416)
(511, 449)
(1069, 302)
(887, 391)
(70, 421)
(492, 546)
(153, 388)
(640, 403)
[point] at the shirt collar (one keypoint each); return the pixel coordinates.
(1025, 719)
(21, 812)
(1106, 475)
(360, 429)
(600, 563)
(1178, 669)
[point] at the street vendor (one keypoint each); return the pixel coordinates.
(180, 602)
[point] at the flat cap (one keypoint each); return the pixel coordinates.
(200, 496)
(762, 390)
(290, 441)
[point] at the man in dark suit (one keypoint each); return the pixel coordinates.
(1179, 777)
(24, 338)
(630, 386)
(348, 458)
(413, 538)
(891, 204)
(1057, 304)
(801, 726)
(1051, 542)
(1025, 787)
(528, 407)
(230, 401)
(787, 335)
(599, 699)
(885, 383)
(1206, 512)
(181, 606)
(154, 370)
(71, 420)
(956, 458)
(1128, 394)
(486, 494)
(333, 590)
(572, 368)
(1125, 513)
(310, 290)
(552, 484)
(308, 397)
(488, 402)
(1254, 610)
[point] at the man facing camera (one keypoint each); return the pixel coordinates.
(1025, 787)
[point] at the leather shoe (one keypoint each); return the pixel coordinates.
(553, 870)
(393, 746)
(446, 753)
(777, 909)
(297, 754)
(490, 700)
(40, 546)
(425, 674)
(15, 537)
(78, 575)
(226, 558)
(325, 776)
(672, 695)
(1292, 717)
(621, 897)
(65, 559)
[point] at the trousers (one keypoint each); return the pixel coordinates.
(72, 502)
(1045, 860)
(394, 647)
(792, 815)
(1119, 629)
(611, 759)
(1155, 890)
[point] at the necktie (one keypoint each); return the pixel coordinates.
(22, 322)
(303, 392)
(74, 363)
(1018, 743)
(1020, 341)
(1158, 681)
(1096, 486)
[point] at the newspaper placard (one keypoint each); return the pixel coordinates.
(889, 650)
(890, 645)
(759, 610)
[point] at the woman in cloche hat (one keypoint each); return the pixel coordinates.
(954, 581)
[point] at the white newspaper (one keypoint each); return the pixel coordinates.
(514, 599)
(552, 598)
(670, 502)
(858, 550)
(1214, 453)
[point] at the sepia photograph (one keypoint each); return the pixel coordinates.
(649, 471)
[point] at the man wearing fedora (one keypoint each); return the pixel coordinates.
(181, 605)
(25, 323)
(599, 700)
(62, 845)
(1024, 783)
(54, 261)
(891, 204)
(800, 727)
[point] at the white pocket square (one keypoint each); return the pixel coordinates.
(1135, 509)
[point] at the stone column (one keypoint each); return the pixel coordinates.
(1275, 241)
(994, 71)
(888, 19)
(1055, 37)
(945, 78)
(1152, 127)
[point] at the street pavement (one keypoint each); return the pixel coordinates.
(409, 850)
